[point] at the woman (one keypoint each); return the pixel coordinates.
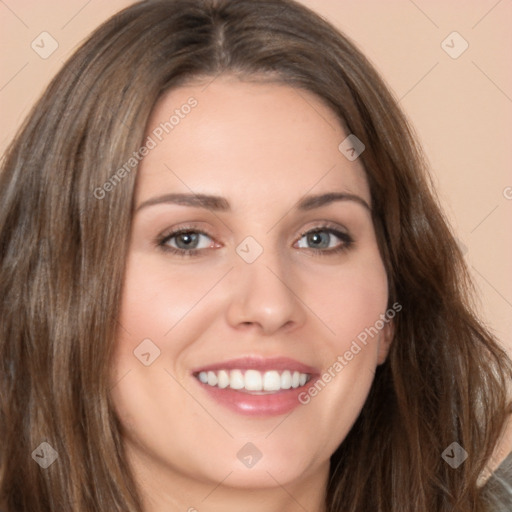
(227, 283)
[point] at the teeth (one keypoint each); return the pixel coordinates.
(254, 380)
(212, 379)
(236, 379)
(272, 381)
(286, 380)
(223, 378)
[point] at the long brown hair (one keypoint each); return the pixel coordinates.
(63, 251)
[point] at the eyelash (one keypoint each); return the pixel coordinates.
(346, 239)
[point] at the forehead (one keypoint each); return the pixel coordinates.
(250, 142)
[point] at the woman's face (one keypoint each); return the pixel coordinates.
(277, 280)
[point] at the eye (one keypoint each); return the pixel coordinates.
(322, 240)
(185, 242)
(325, 240)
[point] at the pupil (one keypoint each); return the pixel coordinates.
(316, 239)
(187, 239)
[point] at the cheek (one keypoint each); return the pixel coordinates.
(356, 302)
(349, 299)
(155, 300)
(151, 306)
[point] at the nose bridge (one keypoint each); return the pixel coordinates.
(265, 274)
(261, 289)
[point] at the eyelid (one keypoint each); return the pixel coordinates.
(324, 225)
(317, 226)
(162, 239)
(343, 235)
(176, 229)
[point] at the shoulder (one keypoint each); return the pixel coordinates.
(498, 489)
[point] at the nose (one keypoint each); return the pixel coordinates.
(265, 297)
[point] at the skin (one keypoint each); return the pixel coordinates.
(261, 146)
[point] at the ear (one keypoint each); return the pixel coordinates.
(386, 336)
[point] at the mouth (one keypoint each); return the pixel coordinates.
(256, 386)
(254, 381)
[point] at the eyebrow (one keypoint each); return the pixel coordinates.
(218, 203)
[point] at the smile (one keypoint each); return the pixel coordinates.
(255, 385)
(254, 380)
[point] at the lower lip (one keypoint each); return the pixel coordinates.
(271, 404)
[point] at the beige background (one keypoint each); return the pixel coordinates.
(461, 107)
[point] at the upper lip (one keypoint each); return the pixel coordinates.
(258, 363)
